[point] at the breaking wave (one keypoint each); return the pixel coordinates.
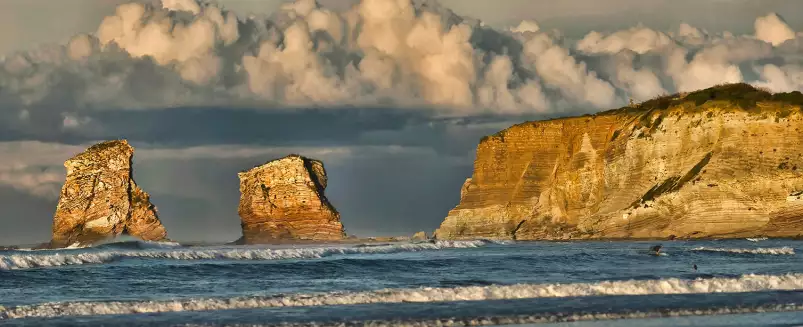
(138, 244)
(549, 318)
(745, 283)
(76, 245)
(28, 261)
(141, 245)
(786, 250)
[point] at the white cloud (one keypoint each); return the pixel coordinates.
(773, 29)
(638, 39)
(391, 52)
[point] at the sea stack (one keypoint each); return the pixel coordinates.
(724, 162)
(284, 200)
(100, 200)
(420, 236)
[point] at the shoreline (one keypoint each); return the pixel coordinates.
(359, 241)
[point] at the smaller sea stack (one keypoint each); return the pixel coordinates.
(284, 200)
(100, 200)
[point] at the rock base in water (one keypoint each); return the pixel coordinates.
(284, 200)
(100, 200)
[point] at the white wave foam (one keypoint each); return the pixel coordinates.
(500, 242)
(745, 283)
(773, 251)
(156, 245)
(165, 244)
(757, 239)
(547, 318)
(27, 261)
(76, 245)
(140, 243)
(550, 317)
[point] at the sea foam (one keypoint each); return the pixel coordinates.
(166, 252)
(542, 318)
(745, 283)
(773, 251)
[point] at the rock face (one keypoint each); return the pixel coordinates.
(420, 236)
(284, 200)
(100, 199)
(723, 162)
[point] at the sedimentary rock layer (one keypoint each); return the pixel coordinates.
(284, 200)
(721, 162)
(100, 199)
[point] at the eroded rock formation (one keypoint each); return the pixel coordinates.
(284, 200)
(420, 236)
(100, 199)
(721, 162)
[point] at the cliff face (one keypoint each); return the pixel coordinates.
(284, 200)
(722, 162)
(100, 199)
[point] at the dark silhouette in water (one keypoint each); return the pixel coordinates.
(655, 250)
(695, 267)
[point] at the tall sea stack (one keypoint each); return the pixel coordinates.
(100, 199)
(724, 162)
(284, 200)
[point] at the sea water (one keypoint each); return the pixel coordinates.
(440, 283)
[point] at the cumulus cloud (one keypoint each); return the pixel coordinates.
(38, 181)
(773, 29)
(638, 39)
(380, 53)
(786, 78)
(526, 26)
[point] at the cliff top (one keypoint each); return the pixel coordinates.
(99, 154)
(741, 95)
(735, 97)
(274, 162)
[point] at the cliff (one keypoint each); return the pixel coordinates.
(100, 199)
(724, 162)
(284, 200)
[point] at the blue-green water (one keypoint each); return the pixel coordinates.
(737, 283)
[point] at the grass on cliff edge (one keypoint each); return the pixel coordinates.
(743, 96)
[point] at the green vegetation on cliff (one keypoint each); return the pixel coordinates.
(739, 96)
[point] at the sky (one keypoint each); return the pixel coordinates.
(392, 95)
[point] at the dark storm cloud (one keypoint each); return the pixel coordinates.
(25, 218)
(186, 127)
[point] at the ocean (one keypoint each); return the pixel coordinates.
(438, 283)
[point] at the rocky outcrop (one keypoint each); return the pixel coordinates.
(420, 236)
(718, 163)
(100, 199)
(284, 200)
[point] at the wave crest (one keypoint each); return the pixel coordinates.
(555, 317)
(745, 283)
(786, 250)
(27, 261)
(140, 245)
